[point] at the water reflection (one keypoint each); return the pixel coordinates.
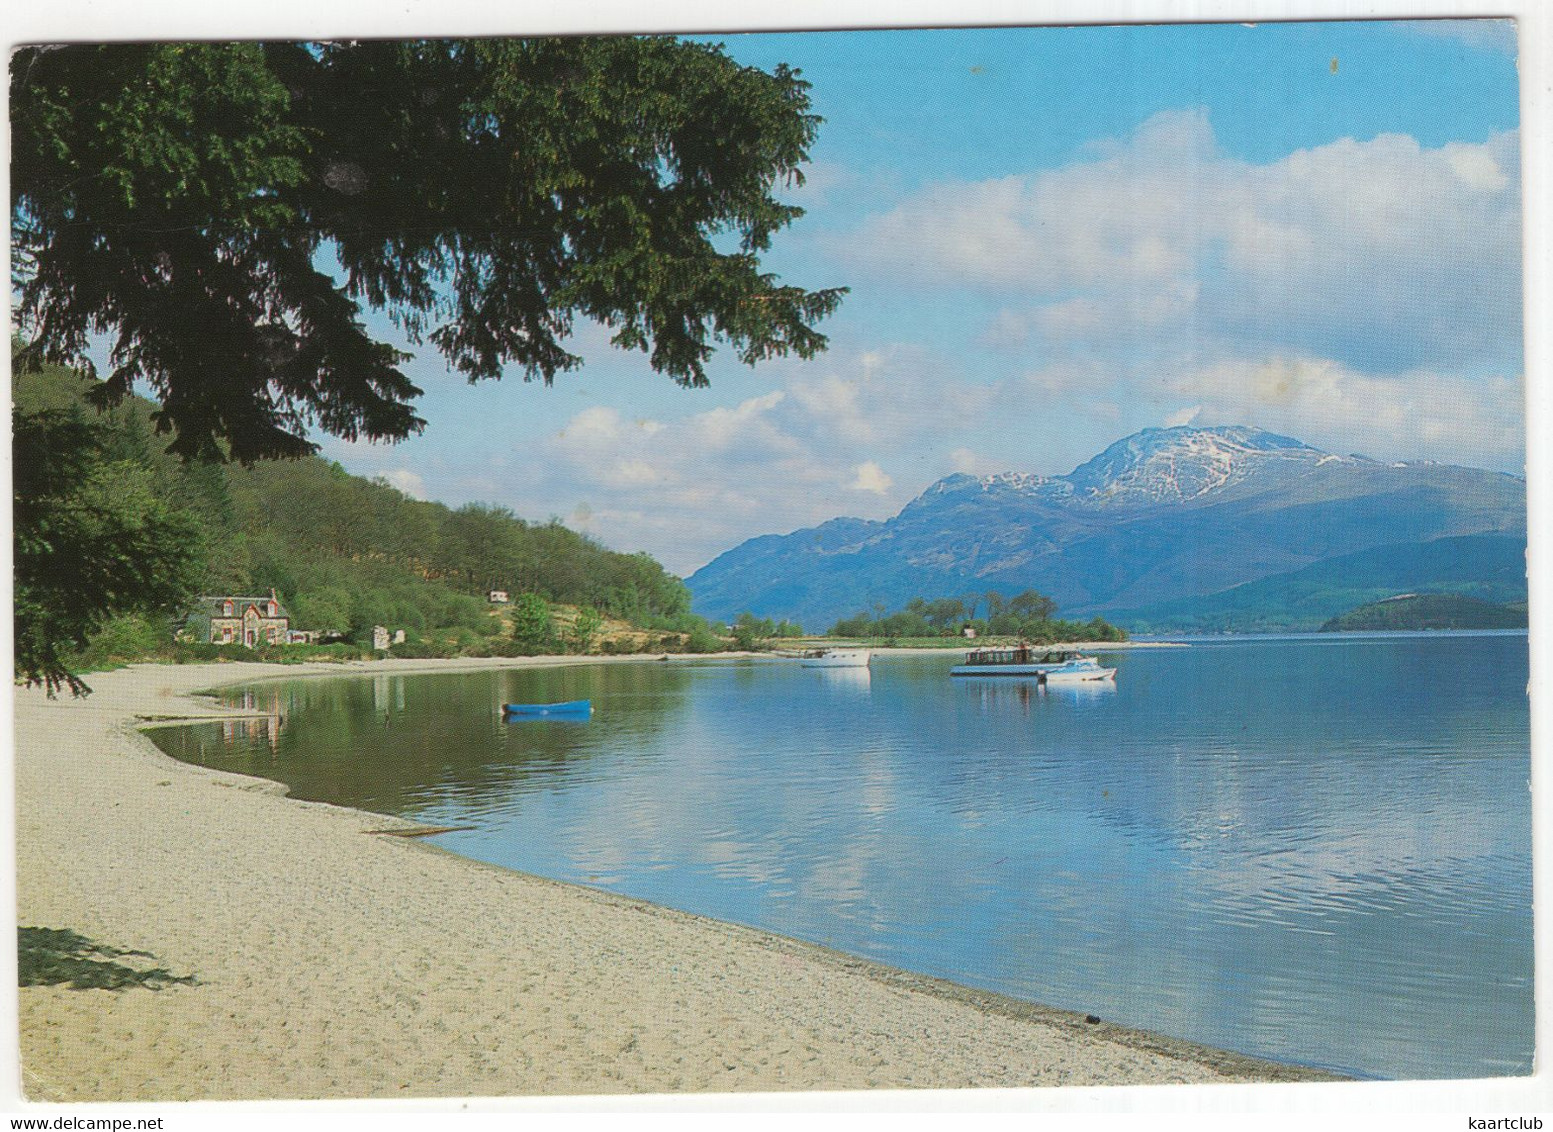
(266, 731)
(1304, 852)
(993, 692)
(252, 732)
(843, 679)
(1086, 692)
(419, 746)
(388, 693)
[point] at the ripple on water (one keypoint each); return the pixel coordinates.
(1291, 849)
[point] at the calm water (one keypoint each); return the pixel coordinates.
(1311, 849)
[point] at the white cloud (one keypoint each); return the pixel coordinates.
(1476, 167)
(1123, 314)
(1070, 376)
(636, 473)
(1418, 415)
(871, 477)
(377, 460)
(1382, 253)
(746, 426)
(855, 432)
(886, 399)
(687, 489)
(1422, 413)
(966, 461)
(599, 424)
(836, 398)
(821, 179)
(407, 482)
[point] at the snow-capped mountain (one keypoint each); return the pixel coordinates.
(1162, 466)
(1163, 515)
(1175, 465)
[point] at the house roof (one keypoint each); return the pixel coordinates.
(212, 605)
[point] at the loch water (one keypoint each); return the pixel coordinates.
(1315, 849)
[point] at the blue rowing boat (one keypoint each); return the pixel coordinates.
(566, 707)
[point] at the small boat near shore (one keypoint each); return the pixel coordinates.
(1047, 668)
(571, 708)
(835, 658)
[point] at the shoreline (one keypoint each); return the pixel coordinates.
(970, 644)
(334, 959)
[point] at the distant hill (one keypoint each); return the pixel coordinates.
(1491, 568)
(1429, 611)
(1171, 527)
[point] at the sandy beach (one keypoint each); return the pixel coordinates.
(332, 958)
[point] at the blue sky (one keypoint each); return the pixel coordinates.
(1053, 238)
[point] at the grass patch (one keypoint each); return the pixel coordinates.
(50, 956)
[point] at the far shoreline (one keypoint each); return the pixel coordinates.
(89, 783)
(417, 666)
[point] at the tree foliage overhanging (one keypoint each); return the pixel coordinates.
(186, 200)
(93, 538)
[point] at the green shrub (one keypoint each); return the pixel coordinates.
(701, 639)
(123, 640)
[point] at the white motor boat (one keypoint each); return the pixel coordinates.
(835, 658)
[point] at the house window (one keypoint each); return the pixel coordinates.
(274, 609)
(226, 635)
(226, 608)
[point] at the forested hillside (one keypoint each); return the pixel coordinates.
(1414, 612)
(344, 553)
(1491, 568)
(1029, 616)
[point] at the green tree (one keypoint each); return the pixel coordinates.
(324, 610)
(531, 625)
(1099, 629)
(1032, 605)
(859, 626)
(749, 630)
(589, 622)
(943, 613)
(485, 194)
(481, 546)
(93, 540)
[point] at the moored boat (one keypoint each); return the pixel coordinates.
(1058, 667)
(835, 658)
(565, 707)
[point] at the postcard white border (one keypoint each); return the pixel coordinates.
(1411, 1105)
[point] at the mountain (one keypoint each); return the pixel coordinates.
(1490, 568)
(1165, 516)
